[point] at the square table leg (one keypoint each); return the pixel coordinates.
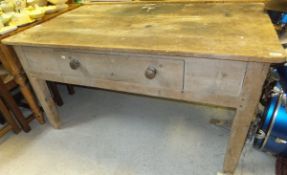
(251, 91)
(42, 91)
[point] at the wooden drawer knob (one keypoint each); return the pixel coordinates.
(75, 64)
(150, 72)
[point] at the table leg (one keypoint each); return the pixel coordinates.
(252, 86)
(71, 89)
(55, 93)
(41, 89)
(14, 67)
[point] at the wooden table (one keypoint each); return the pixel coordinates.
(216, 54)
(11, 63)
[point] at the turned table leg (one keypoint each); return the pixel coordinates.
(41, 89)
(245, 114)
(10, 59)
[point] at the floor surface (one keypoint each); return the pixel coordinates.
(108, 133)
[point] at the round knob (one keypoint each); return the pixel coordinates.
(150, 72)
(75, 64)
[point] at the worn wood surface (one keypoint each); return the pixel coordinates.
(193, 1)
(220, 78)
(240, 31)
(46, 100)
(219, 54)
(177, 78)
(251, 91)
(205, 1)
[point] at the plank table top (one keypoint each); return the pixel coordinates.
(198, 1)
(236, 31)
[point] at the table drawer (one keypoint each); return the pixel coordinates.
(73, 66)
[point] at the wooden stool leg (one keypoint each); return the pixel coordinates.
(30, 99)
(5, 94)
(55, 93)
(5, 129)
(15, 70)
(8, 117)
(71, 89)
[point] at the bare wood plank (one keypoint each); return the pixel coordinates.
(181, 28)
(215, 100)
(126, 73)
(208, 1)
(171, 1)
(209, 77)
(255, 77)
(47, 102)
(119, 68)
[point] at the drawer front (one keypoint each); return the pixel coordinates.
(146, 71)
(214, 78)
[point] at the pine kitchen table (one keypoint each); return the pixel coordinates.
(210, 53)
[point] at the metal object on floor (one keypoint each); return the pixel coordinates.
(272, 133)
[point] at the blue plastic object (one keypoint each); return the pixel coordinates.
(273, 129)
(284, 18)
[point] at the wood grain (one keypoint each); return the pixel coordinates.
(176, 77)
(46, 100)
(205, 1)
(251, 91)
(240, 31)
(214, 77)
(224, 50)
(129, 68)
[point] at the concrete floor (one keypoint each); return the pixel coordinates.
(108, 133)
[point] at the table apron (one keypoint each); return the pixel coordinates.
(201, 80)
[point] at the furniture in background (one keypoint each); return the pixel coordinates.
(7, 104)
(56, 94)
(7, 85)
(10, 121)
(201, 54)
